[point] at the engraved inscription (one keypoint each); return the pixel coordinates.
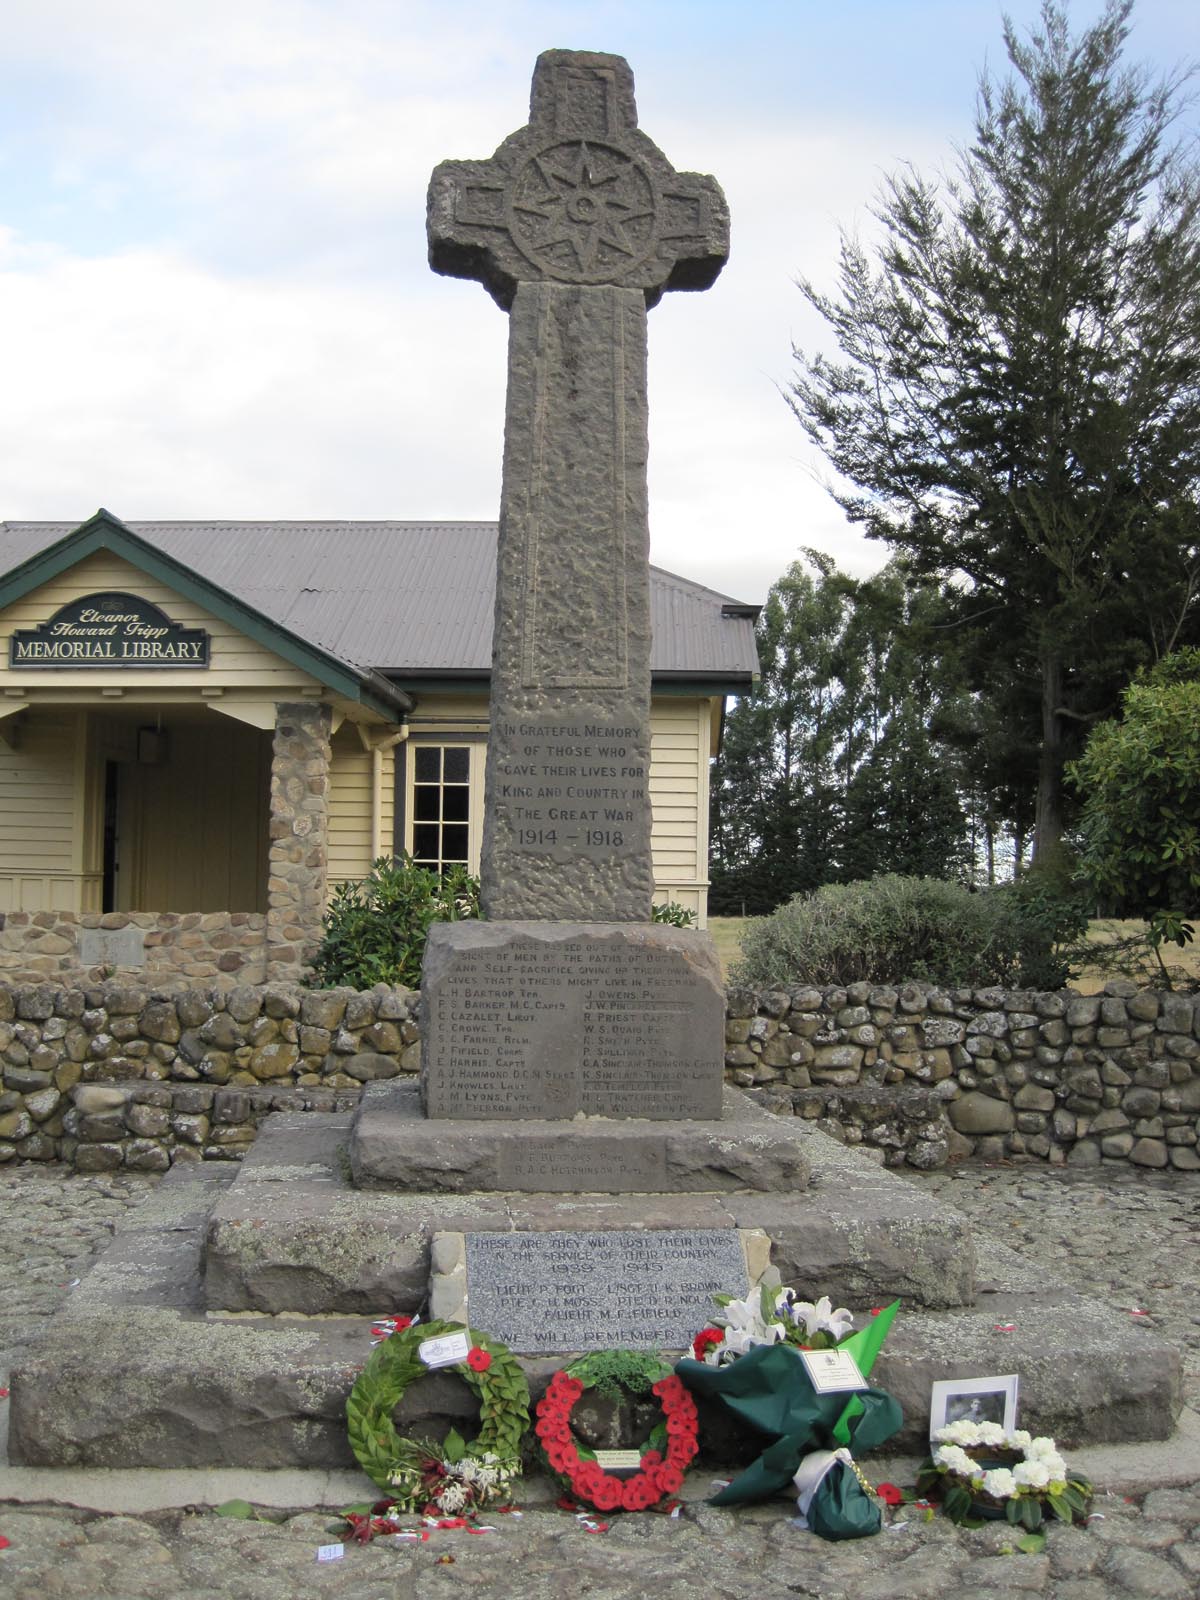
(571, 788)
(531, 1031)
(582, 1166)
(629, 1289)
(617, 1042)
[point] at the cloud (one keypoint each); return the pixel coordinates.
(213, 292)
(161, 390)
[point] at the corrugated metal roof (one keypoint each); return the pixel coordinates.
(412, 599)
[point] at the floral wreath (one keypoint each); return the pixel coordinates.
(410, 1468)
(979, 1470)
(671, 1446)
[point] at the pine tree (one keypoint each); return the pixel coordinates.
(1017, 403)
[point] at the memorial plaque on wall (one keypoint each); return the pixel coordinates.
(632, 1289)
(549, 1027)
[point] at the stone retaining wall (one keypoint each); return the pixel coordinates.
(115, 1074)
(160, 948)
(1056, 1077)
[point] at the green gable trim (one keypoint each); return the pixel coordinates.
(103, 531)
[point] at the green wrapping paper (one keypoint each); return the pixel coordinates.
(769, 1388)
(841, 1508)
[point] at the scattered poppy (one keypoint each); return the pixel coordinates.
(890, 1495)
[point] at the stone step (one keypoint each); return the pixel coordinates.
(133, 1372)
(1087, 1374)
(292, 1234)
(393, 1145)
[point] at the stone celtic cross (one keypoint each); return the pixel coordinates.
(576, 226)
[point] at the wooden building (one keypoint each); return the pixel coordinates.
(214, 723)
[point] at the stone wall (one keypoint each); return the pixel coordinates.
(923, 1075)
(111, 1073)
(115, 1074)
(183, 949)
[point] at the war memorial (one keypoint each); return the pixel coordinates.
(538, 1181)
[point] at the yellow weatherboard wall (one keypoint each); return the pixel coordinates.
(351, 791)
(40, 802)
(682, 732)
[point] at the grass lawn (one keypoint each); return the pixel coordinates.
(727, 936)
(1183, 964)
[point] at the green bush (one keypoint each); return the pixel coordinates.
(375, 930)
(893, 929)
(673, 914)
(1140, 782)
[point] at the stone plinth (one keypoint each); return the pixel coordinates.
(393, 1146)
(135, 1371)
(559, 1019)
(293, 1234)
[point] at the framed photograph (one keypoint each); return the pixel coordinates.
(976, 1400)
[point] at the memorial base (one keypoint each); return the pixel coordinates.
(150, 1364)
(393, 1145)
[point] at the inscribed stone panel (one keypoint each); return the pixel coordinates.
(630, 1289)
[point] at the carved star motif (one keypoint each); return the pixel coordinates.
(586, 208)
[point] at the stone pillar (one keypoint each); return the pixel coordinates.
(576, 225)
(299, 855)
(566, 1002)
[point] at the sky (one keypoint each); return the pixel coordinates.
(214, 295)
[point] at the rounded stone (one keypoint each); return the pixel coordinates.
(368, 1065)
(43, 1104)
(1149, 1153)
(1032, 1098)
(976, 1114)
(94, 1099)
(98, 1157)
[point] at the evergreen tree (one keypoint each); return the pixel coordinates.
(828, 769)
(775, 810)
(1018, 401)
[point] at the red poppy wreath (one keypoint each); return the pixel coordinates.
(662, 1457)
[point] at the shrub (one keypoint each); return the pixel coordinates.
(375, 929)
(892, 929)
(1140, 782)
(673, 914)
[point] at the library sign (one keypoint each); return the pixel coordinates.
(109, 630)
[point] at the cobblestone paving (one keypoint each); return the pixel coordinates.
(1134, 1235)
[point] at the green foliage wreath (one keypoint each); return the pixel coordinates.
(490, 1370)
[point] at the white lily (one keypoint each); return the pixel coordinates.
(745, 1325)
(821, 1317)
(452, 1498)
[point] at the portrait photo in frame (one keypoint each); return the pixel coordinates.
(974, 1400)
